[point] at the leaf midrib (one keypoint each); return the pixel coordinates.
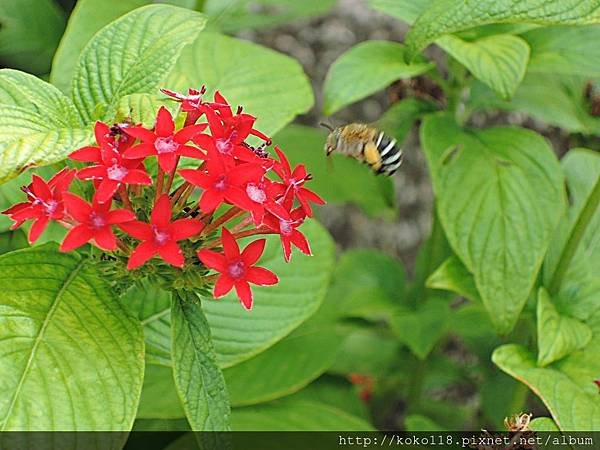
(39, 339)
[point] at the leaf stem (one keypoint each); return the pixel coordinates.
(223, 219)
(160, 179)
(125, 197)
(574, 240)
(172, 175)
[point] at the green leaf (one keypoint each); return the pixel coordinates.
(556, 100)
(38, 124)
(12, 240)
(543, 424)
(453, 276)
(405, 10)
(159, 397)
(449, 16)
(29, 34)
(474, 327)
(198, 380)
(365, 69)
(290, 364)
(501, 396)
(270, 86)
(499, 218)
(236, 15)
(239, 334)
(558, 335)
(420, 330)
(57, 317)
(295, 415)
(416, 422)
(564, 50)
(108, 69)
(305, 145)
(499, 61)
(398, 121)
(567, 388)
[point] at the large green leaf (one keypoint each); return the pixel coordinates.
(500, 217)
(29, 34)
(159, 398)
(448, 16)
(499, 61)
(295, 415)
(406, 10)
(365, 69)
(269, 85)
(131, 55)
(38, 124)
(85, 20)
(198, 380)
(558, 335)
(555, 99)
(567, 388)
(305, 145)
(235, 15)
(67, 343)
(564, 50)
(239, 334)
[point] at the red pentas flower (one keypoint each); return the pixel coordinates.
(95, 223)
(293, 182)
(288, 232)
(190, 103)
(44, 203)
(222, 184)
(237, 269)
(164, 142)
(160, 236)
(111, 170)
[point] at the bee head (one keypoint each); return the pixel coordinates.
(332, 140)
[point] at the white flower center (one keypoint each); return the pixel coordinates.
(165, 145)
(285, 227)
(224, 146)
(236, 270)
(97, 221)
(117, 172)
(221, 183)
(256, 193)
(161, 237)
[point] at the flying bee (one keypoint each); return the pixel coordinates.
(366, 144)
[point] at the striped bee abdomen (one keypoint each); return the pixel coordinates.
(390, 153)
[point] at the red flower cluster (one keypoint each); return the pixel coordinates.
(231, 177)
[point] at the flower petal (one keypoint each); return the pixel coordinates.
(77, 207)
(137, 176)
(167, 161)
(230, 246)
(196, 177)
(101, 132)
(185, 228)
(204, 141)
(261, 276)
(187, 133)
(164, 126)
(222, 286)
(87, 154)
(105, 239)
(239, 198)
(244, 293)
(93, 172)
(140, 133)
(137, 229)
(210, 200)
(172, 254)
(191, 152)
(161, 214)
(253, 252)
(141, 254)
(140, 151)
(299, 240)
(38, 228)
(120, 216)
(212, 259)
(76, 237)
(40, 187)
(106, 190)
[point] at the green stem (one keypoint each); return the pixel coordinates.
(577, 234)
(416, 386)
(519, 399)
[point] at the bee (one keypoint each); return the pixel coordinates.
(366, 144)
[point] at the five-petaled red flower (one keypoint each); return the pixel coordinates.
(111, 170)
(293, 183)
(288, 232)
(237, 269)
(160, 236)
(164, 142)
(221, 184)
(190, 103)
(95, 223)
(44, 203)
